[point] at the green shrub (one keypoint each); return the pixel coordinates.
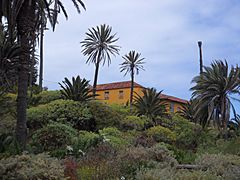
(53, 137)
(25, 166)
(63, 111)
(104, 115)
(114, 137)
(171, 174)
(161, 134)
(224, 166)
(134, 158)
(44, 97)
(187, 133)
(122, 110)
(133, 122)
(84, 141)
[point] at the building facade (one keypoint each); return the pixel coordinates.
(119, 93)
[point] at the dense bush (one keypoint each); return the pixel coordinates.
(53, 137)
(63, 111)
(161, 134)
(84, 141)
(104, 115)
(224, 166)
(44, 97)
(39, 166)
(133, 122)
(114, 137)
(188, 134)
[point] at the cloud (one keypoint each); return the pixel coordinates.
(165, 33)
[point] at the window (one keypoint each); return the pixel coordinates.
(120, 95)
(106, 95)
(171, 107)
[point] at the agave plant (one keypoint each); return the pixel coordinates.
(77, 90)
(213, 89)
(150, 104)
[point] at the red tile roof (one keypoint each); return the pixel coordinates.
(172, 98)
(117, 85)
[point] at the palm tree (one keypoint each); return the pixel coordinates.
(188, 110)
(21, 15)
(99, 46)
(213, 89)
(77, 90)
(150, 104)
(132, 64)
(9, 53)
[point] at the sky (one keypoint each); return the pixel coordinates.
(165, 32)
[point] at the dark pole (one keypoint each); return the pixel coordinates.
(201, 59)
(41, 57)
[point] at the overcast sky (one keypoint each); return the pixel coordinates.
(165, 32)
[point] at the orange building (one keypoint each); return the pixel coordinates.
(119, 93)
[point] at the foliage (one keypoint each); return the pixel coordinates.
(83, 142)
(28, 166)
(52, 137)
(133, 122)
(64, 111)
(77, 90)
(187, 133)
(161, 134)
(104, 115)
(114, 137)
(44, 97)
(150, 104)
(224, 166)
(8, 145)
(122, 110)
(213, 89)
(187, 111)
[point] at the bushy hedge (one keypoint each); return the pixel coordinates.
(64, 111)
(28, 166)
(104, 115)
(114, 137)
(53, 137)
(44, 97)
(161, 134)
(188, 134)
(84, 141)
(133, 122)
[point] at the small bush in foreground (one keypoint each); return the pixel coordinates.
(161, 134)
(26, 166)
(53, 137)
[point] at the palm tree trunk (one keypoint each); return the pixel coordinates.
(132, 88)
(95, 78)
(200, 54)
(25, 27)
(41, 58)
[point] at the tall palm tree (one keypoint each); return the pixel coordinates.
(99, 46)
(150, 104)
(21, 15)
(213, 89)
(132, 64)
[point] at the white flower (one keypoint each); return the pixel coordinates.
(69, 148)
(122, 178)
(80, 151)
